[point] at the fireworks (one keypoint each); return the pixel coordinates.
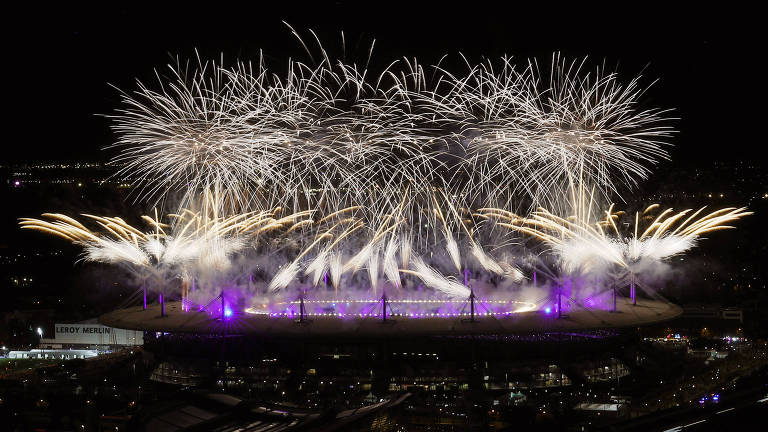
(526, 135)
(191, 241)
(336, 134)
(585, 244)
(432, 278)
(333, 176)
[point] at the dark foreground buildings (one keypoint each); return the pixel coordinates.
(612, 379)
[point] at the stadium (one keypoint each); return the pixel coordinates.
(394, 325)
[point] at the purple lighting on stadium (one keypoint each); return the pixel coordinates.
(405, 308)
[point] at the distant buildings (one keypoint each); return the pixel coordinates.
(81, 340)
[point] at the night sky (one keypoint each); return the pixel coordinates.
(60, 62)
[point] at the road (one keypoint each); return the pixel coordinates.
(743, 410)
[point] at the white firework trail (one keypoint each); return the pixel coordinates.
(511, 271)
(485, 261)
(216, 253)
(373, 271)
(433, 279)
(317, 267)
(284, 276)
(336, 268)
(656, 248)
(391, 271)
(453, 250)
(405, 251)
(588, 254)
(360, 258)
(116, 252)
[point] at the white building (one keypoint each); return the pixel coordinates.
(91, 336)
